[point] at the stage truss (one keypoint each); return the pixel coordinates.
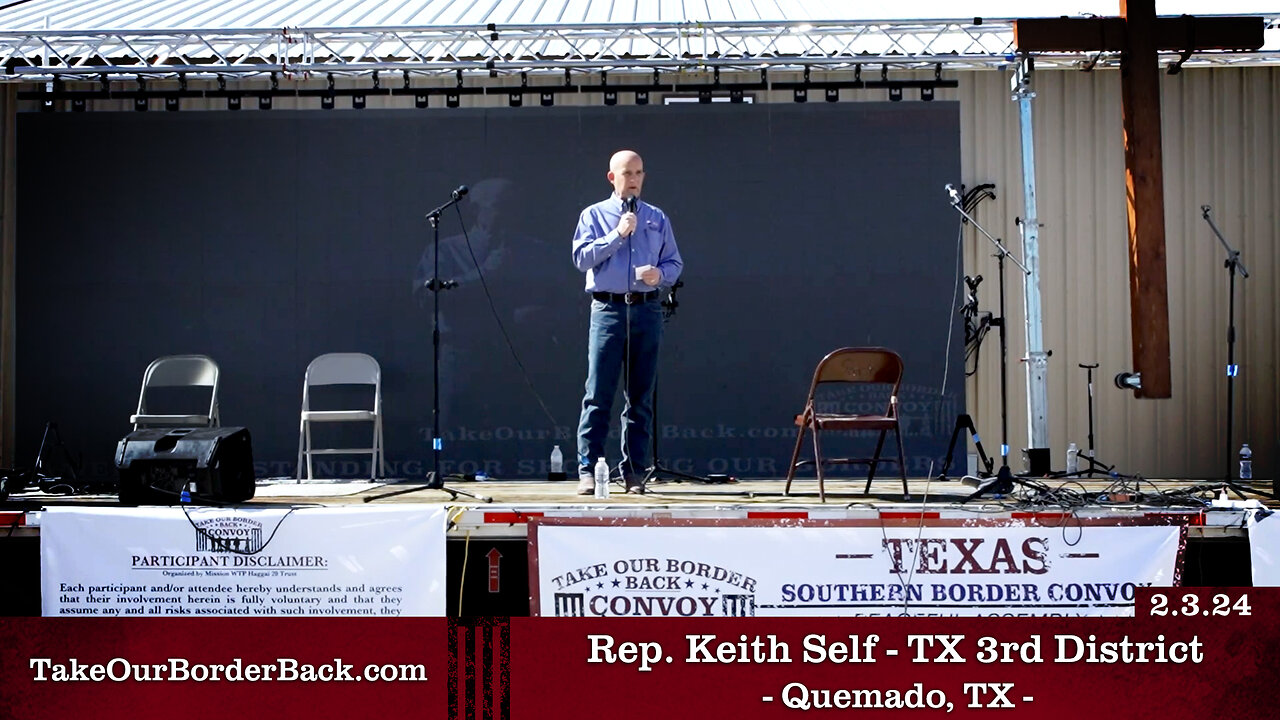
(492, 50)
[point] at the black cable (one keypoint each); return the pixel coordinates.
(937, 418)
(494, 309)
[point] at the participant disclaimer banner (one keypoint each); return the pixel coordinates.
(1264, 548)
(702, 569)
(380, 561)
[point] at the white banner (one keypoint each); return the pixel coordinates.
(705, 570)
(1264, 548)
(162, 561)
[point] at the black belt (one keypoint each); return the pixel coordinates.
(631, 298)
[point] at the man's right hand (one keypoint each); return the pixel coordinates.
(627, 224)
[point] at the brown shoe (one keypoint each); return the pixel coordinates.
(635, 486)
(586, 485)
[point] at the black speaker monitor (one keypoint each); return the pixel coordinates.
(157, 464)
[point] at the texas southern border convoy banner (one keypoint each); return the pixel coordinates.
(162, 561)
(697, 569)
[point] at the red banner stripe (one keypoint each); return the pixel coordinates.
(510, 518)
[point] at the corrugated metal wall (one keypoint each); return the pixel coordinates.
(1222, 148)
(1221, 135)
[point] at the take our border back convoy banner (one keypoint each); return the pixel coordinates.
(620, 568)
(184, 561)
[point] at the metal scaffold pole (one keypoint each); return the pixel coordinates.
(1036, 359)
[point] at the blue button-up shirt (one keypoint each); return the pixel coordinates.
(609, 260)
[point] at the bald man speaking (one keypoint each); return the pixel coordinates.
(627, 250)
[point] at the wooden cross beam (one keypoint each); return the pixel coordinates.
(1140, 36)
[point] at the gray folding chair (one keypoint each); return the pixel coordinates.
(342, 369)
(178, 371)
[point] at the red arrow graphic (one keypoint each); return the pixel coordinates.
(494, 574)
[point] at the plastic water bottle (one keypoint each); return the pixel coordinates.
(602, 478)
(1073, 459)
(557, 464)
(1246, 462)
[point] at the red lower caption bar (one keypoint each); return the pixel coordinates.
(139, 668)
(1188, 653)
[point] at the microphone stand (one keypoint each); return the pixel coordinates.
(1001, 253)
(1004, 482)
(1231, 264)
(657, 469)
(435, 481)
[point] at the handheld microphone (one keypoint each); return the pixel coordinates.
(955, 196)
(462, 190)
(630, 203)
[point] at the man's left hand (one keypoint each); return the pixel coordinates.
(651, 276)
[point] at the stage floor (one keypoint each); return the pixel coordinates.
(1050, 493)
(501, 508)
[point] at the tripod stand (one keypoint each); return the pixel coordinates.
(1094, 464)
(1232, 262)
(657, 471)
(435, 481)
(975, 329)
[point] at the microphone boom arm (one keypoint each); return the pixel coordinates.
(999, 245)
(1233, 255)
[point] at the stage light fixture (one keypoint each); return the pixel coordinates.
(171, 104)
(548, 99)
(800, 95)
(515, 99)
(642, 97)
(833, 94)
(452, 100)
(233, 102)
(1129, 380)
(926, 94)
(140, 104)
(420, 100)
(358, 102)
(264, 102)
(78, 104)
(610, 97)
(735, 96)
(704, 96)
(895, 94)
(326, 102)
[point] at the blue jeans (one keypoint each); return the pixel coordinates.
(611, 354)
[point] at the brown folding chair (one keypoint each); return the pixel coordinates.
(870, 365)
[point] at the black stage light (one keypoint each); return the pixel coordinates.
(1129, 380)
